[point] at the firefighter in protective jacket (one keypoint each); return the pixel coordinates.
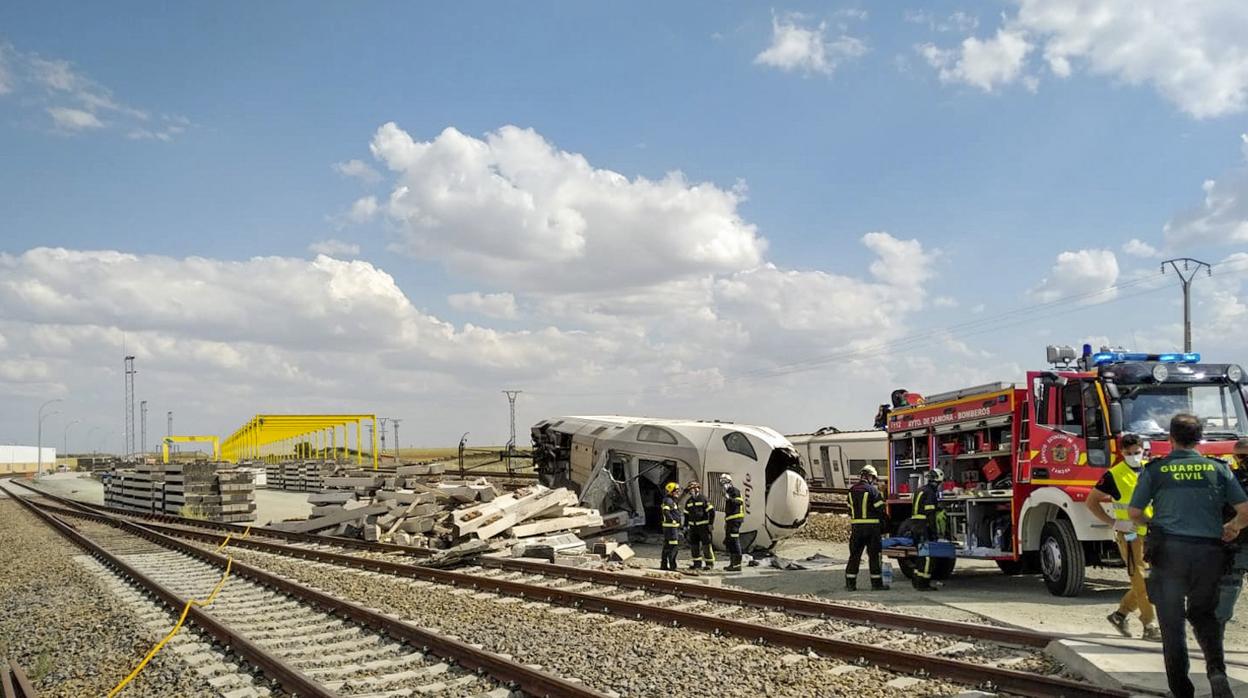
(866, 517)
(699, 515)
(670, 510)
(734, 514)
(926, 515)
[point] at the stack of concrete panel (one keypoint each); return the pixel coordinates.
(140, 489)
(210, 491)
(298, 476)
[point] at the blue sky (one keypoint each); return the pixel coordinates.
(805, 125)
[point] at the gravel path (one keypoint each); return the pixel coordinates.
(65, 628)
(629, 657)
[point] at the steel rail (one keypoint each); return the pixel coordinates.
(895, 660)
(830, 507)
(14, 683)
(527, 679)
(290, 679)
(797, 606)
(236, 529)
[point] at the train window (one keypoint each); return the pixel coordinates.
(856, 465)
(655, 435)
(740, 443)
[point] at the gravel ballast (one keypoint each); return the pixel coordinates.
(67, 631)
(623, 656)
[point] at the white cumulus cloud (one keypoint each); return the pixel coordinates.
(1139, 248)
(1220, 218)
(983, 63)
(1085, 276)
(511, 208)
(1192, 52)
(494, 305)
(795, 47)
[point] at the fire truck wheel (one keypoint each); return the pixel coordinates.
(1061, 558)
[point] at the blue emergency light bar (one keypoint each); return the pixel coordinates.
(1113, 357)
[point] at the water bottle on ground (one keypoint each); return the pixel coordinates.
(886, 574)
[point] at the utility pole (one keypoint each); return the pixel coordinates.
(395, 422)
(382, 435)
(128, 437)
(511, 402)
(65, 435)
(39, 444)
(143, 428)
(511, 442)
(169, 426)
(1187, 274)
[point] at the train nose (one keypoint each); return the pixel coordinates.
(788, 505)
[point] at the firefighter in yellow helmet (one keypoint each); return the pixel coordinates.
(670, 511)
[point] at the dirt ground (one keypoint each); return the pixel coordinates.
(976, 591)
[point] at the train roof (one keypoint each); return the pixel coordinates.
(687, 427)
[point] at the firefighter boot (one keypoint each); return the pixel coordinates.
(734, 564)
(851, 583)
(877, 585)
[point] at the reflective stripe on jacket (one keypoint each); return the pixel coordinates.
(699, 511)
(1125, 479)
(865, 503)
(925, 503)
(734, 504)
(671, 513)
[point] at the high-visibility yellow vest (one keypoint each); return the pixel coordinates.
(1125, 478)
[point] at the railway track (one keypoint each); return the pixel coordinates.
(996, 658)
(305, 641)
(829, 507)
(13, 682)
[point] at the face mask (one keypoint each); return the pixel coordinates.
(1133, 460)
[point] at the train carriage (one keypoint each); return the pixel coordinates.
(622, 463)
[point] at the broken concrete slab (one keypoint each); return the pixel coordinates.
(323, 522)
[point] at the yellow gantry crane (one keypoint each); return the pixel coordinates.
(278, 437)
(168, 440)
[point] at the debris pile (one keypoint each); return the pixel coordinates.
(469, 516)
(212, 491)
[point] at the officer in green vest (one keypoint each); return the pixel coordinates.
(1115, 488)
(1188, 492)
(1233, 580)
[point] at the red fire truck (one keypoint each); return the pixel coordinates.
(1019, 460)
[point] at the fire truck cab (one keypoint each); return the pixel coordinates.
(1020, 460)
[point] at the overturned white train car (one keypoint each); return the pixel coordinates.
(622, 463)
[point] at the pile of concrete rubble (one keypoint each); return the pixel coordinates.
(456, 516)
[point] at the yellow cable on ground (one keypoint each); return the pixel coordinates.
(177, 626)
(225, 542)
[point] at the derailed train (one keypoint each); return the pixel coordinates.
(622, 463)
